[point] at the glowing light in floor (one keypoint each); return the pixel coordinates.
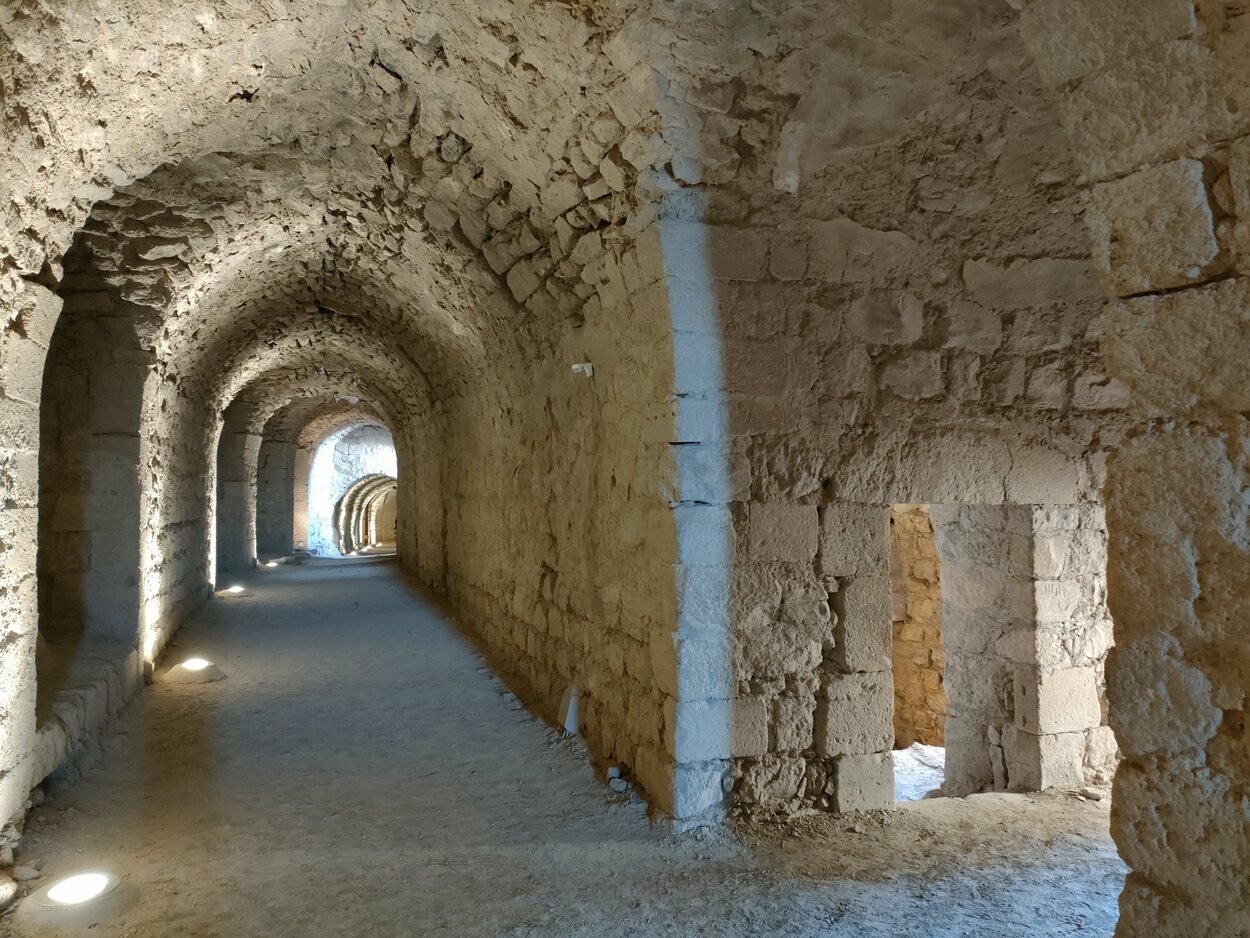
(234, 589)
(272, 563)
(195, 664)
(75, 890)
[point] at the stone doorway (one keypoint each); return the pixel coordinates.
(1000, 635)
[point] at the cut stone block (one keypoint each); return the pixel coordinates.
(780, 531)
(863, 630)
(854, 539)
(1154, 230)
(864, 782)
(1062, 701)
(855, 714)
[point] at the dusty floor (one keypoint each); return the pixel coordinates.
(360, 772)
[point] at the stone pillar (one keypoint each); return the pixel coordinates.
(275, 497)
(299, 518)
(91, 516)
(237, 455)
(1025, 633)
(854, 716)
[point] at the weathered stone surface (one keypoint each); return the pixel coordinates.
(854, 715)
(1061, 701)
(880, 295)
(1154, 229)
(864, 783)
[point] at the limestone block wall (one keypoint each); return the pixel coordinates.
(339, 463)
(562, 561)
(903, 317)
(370, 183)
(238, 452)
(918, 654)
(1155, 109)
(872, 286)
(1026, 635)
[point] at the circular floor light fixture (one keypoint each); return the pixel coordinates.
(74, 890)
(273, 563)
(192, 671)
(234, 589)
(74, 903)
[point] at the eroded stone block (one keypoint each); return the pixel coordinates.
(863, 782)
(1059, 702)
(854, 714)
(1154, 229)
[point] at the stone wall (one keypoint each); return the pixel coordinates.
(1026, 634)
(1156, 110)
(917, 651)
(906, 313)
(337, 465)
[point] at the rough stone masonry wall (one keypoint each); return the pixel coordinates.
(893, 290)
(907, 314)
(561, 561)
(917, 651)
(1158, 115)
(275, 497)
(344, 87)
(358, 452)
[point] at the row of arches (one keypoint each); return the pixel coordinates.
(364, 518)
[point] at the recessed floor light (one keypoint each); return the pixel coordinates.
(74, 890)
(73, 904)
(191, 671)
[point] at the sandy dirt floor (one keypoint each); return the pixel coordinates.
(360, 772)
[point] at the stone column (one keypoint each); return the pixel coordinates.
(237, 456)
(299, 519)
(1025, 632)
(854, 725)
(275, 497)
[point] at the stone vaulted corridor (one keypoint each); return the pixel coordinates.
(360, 772)
(828, 418)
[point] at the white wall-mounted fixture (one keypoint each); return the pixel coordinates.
(584, 368)
(570, 712)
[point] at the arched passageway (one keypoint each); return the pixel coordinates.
(339, 465)
(667, 314)
(365, 515)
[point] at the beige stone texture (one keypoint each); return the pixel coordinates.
(1154, 229)
(918, 655)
